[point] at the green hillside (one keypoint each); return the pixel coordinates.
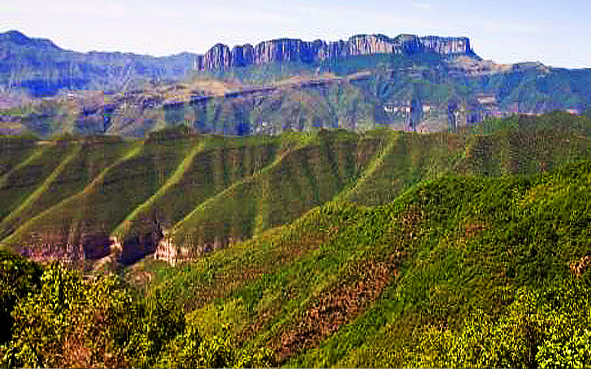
(322, 249)
(181, 194)
(402, 284)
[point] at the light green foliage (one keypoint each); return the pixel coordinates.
(534, 332)
(157, 321)
(508, 342)
(70, 322)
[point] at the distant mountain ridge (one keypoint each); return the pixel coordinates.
(42, 68)
(18, 38)
(369, 81)
(221, 56)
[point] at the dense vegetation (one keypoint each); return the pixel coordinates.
(459, 271)
(78, 194)
(54, 318)
(386, 249)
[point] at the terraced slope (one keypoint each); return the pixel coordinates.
(180, 194)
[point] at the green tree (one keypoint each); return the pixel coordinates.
(18, 278)
(70, 323)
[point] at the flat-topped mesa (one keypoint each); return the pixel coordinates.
(221, 57)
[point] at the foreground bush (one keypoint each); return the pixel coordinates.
(72, 323)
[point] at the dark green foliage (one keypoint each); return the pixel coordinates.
(18, 278)
(171, 133)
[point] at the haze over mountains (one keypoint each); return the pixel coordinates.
(42, 68)
(369, 81)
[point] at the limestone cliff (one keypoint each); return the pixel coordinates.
(220, 56)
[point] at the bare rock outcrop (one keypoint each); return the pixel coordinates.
(221, 57)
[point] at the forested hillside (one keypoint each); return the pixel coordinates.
(180, 195)
(462, 270)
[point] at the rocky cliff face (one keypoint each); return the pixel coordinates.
(220, 56)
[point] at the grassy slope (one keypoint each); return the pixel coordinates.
(24, 178)
(15, 150)
(63, 220)
(209, 191)
(81, 166)
(209, 168)
(304, 176)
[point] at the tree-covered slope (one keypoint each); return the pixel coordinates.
(382, 249)
(458, 271)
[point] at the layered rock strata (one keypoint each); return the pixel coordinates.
(221, 56)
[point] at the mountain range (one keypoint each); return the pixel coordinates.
(368, 81)
(221, 57)
(273, 205)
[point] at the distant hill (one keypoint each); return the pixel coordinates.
(42, 69)
(369, 81)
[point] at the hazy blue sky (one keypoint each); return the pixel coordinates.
(551, 31)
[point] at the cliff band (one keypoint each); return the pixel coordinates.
(220, 56)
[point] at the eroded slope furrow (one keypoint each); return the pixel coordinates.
(83, 223)
(76, 171)
(24, 179)
(181, 194)
(207, 170)
(303, 178)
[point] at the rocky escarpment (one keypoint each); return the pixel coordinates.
(221, 56)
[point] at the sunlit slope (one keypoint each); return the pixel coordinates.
(189, 193)
(87, 217)
(307, 175)
(346, 285)
(23, 179)
(84, 161)
(212, 165)
(405, 160)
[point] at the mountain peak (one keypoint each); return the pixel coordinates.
(18, 38)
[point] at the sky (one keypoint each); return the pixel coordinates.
(506, 31)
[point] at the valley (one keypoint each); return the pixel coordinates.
(367, 82)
